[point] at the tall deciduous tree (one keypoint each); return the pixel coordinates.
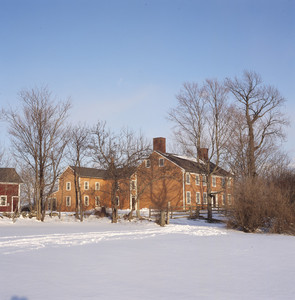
(38, 135)
(78, 153)
(260, 118)
(202, 120)
(119, 154)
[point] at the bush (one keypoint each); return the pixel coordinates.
(259, 204)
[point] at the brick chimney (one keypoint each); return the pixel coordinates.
(159, 144)
(203, 154)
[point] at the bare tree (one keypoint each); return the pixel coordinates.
(261, 120)
(120, 155)
(202, 120)
(27, 188)
(78, 153)
(38, 136)
(189, 116)
(2, 157)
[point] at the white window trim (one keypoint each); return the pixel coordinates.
(70, 201)
(197, 179)
(70, 186)
(205, 193)
(97, 186)
(4, 196)
(97, 198)
(187, 178)
(204, 180)
(147, 163)
(213, 181)
(86, 183)
(117, 199)
(86, 196)
(188, 197)
(198, 202)
(161, 160)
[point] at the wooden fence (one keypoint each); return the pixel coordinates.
(192, 212)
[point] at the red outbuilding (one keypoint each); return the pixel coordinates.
(9, 190)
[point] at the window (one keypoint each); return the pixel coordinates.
(97, 186)
(223, 199)
(117, 202)
(147, 163)
(86, 200)
(188, 197)
(229, 182)
(97, 201)
(214, 181)
(204, 198)
(188, 179)
(68, 186)
(3, 201)
(161, 162)
(223, 182)
(197, 179)
(198, 198)
(133, 186)
(204, 180)
(86, 185)
(229, 199)
(68, 201)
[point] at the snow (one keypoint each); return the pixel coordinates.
(96, 259)
(190, 158)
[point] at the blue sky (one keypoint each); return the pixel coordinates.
(124, 61)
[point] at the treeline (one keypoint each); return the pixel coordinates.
(239, 120)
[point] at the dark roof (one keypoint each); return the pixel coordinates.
(193, 166)
(90, 172)
(9, 175)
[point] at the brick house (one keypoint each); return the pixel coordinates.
(159, 179)
(165, 177)
(10, 183)
(95, 190)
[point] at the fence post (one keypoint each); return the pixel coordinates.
(150, 212)
(168, 208)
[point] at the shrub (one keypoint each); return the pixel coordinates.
(259, 204)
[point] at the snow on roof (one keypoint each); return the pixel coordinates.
(189, 158)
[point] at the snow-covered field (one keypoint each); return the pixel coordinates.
(140, 260)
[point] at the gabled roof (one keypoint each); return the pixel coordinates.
(191, 165)
(90, 172)
(9, 175)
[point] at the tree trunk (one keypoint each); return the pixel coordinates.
(114, 214)
(251, 154)
(81, 207)
(162, 218)
(209, 198)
